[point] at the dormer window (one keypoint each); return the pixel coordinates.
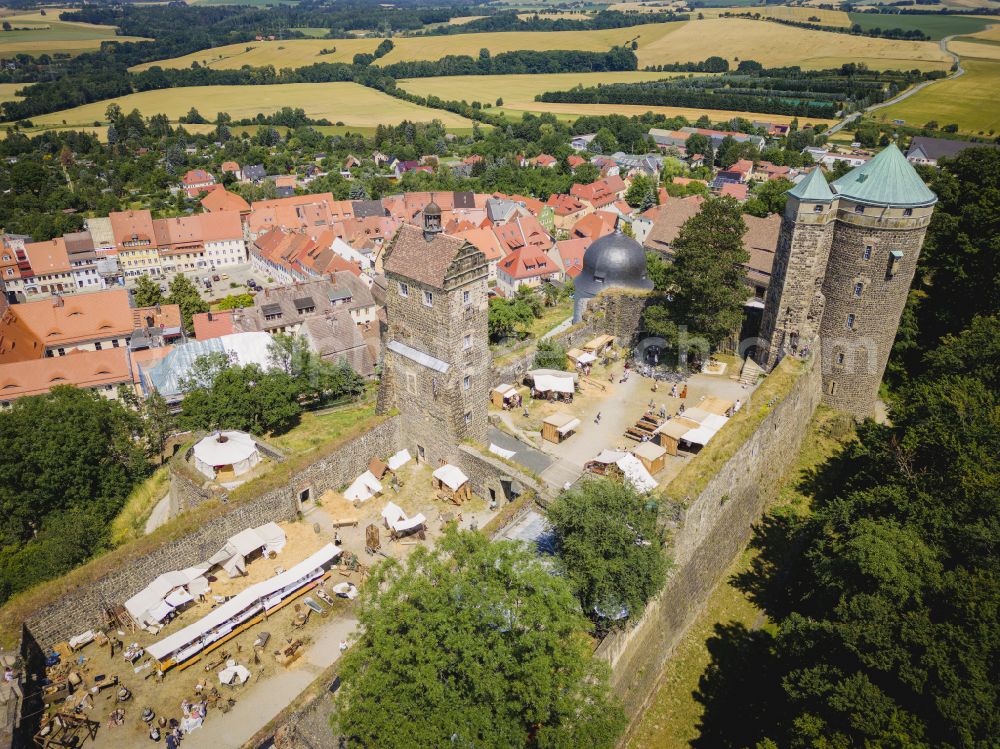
(859, 208)
(907, 211)
(817, 208)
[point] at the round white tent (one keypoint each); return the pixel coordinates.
(232, 453)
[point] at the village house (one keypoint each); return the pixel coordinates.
(135, 242)
(927, 151)
(568, 255)
(582, 142)
(231, 167)
(197, 181)
(595, 225)
(601, 193)
(526, 266)
(566, 210)
(223, 200)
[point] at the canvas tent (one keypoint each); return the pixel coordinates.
(505, 454)
(154, 603)
(398, 460)
(232, 557)
(552, 384)
(599, 344)
(364, 488)
(626, 465)
(226, 454)
(718, 406)
(695, 427)
(239, 612)
(558, 426)
(670, 433)
(454, 484)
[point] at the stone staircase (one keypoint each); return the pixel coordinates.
(751, 372)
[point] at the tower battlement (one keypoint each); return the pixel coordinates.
(845, 260)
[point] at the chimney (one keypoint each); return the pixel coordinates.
(210, 315)
(57, 300)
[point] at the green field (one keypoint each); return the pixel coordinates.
(350, 103)
(970, 101)
(7, 91)
(36, 34)
(518, 94)
(937, 26)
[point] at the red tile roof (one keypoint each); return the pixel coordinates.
(527, 262)
(213, 324)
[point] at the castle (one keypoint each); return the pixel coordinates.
(845, 259)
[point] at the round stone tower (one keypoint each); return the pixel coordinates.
(613, 261)
(883, 210)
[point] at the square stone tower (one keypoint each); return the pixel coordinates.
(436, 360)
(842, 273)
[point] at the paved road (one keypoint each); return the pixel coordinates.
(909, 92)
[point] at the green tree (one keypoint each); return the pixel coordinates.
(641, 192)
(473, 643)
(610, 548)
(245, 398)
(586, 173)
(705, 288)
(66, 456)
(314, 379)
(185, 294)
(550, 355)
(147, 293)
(768, 197)
(235, 301)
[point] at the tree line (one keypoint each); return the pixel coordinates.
(510, 21)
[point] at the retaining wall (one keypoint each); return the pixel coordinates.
(513, 370)
(713, 530)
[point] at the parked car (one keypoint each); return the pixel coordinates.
(216, 277)
(225, 277)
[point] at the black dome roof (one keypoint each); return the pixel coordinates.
(614, 260)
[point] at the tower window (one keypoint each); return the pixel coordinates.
(831, 388)
(817, 208)
(468, 418)
(850, 321)
(467, 342)
(466, 297)
(867, 253)
(466, 382)
(404, 289)
(859, 208)
(428, 299)
(840, 357)
(907, 211)
(857, 289)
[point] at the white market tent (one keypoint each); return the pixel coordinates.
(364, 488)
(392, 513)
(708, 426)
(409, 524)
(451, 476)
(631, 467)
(232, 556)
(240, 609)
(548, 383)
(399, 460)
(226, 451)
(151, 605)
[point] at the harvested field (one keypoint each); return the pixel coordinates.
(7, 91)
(773, 44)
(294, 53)
(984, 49)
(789, 13)
(349, 103)
(968, 101)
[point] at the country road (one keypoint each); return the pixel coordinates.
(959, 70)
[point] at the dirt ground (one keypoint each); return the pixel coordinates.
(164, 697)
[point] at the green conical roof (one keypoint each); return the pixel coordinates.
(813, 188)
(888, 179)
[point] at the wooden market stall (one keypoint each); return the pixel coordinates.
(718, 406)
(651, 455)
(504, 396)
(551, 384)
(670, 432)
(580, 358)
(599, 345)
(559, 426)
(452, 484)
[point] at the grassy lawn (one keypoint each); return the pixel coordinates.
(551, 316)
(350, 103)
(131, 521)
(968, 101)
(671, 721)
(937, 26)
(316, 428)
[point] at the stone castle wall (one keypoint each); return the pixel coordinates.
(81, 608)
(513, 369)
(714, 528)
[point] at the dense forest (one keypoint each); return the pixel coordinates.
(789, 91)
(885, 597)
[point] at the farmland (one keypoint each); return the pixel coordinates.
(937, 26)
(518, 93)
(663, 43)
(980, 49)
(789, 13)
(7, 91)
(969, 100)
(36, 34)
(349, 103)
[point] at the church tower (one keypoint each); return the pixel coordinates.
(846, 258)
(436, 361)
